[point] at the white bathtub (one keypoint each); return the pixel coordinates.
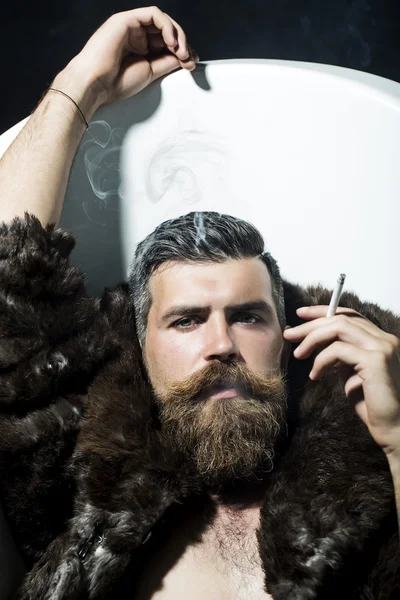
(309, 153)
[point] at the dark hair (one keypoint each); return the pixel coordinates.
(200, 237)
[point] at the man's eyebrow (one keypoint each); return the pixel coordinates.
(184, 309)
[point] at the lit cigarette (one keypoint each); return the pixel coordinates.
(337, 292)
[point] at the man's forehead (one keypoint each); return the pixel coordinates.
(175, 282)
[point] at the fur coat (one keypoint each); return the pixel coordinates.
(88, 480)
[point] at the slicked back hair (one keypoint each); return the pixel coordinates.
(197, 237)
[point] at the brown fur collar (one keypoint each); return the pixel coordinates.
(86, 472)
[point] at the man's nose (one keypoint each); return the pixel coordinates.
(219, 341)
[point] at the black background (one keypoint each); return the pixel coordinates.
(39, 39)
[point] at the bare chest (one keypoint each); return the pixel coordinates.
(220, 563)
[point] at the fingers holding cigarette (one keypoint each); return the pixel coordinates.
(313, 312)
(320, 332)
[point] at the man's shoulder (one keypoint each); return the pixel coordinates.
(116, 304)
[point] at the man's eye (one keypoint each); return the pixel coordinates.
(239, 315)
(248, 315)
(181, 321)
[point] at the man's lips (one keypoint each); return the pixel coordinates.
(223, 390)
(227, 393)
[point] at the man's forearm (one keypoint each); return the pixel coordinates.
(34, 170)
(394, 463)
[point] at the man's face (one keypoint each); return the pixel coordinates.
(188, 354)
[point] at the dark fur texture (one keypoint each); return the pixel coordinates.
(86, 472)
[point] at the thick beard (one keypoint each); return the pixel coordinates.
(227, 439)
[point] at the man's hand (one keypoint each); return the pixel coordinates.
(369, 361)
(132, 49)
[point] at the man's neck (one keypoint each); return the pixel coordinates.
(242, 497)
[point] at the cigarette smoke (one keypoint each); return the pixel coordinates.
(183, 161)
(101, 159)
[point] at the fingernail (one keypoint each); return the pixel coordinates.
(302, 309)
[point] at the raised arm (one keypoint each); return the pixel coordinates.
(34, 170)
(127, 53)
